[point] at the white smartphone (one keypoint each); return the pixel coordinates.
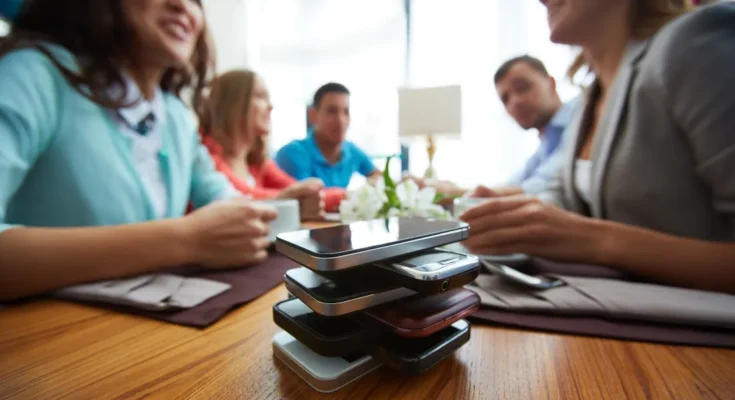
(324, 374)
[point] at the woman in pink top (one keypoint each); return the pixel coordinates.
(235, 123)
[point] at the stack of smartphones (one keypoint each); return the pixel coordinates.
(373, 293)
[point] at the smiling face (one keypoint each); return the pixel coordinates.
(572, 21)
(166, 31)
(259, 112)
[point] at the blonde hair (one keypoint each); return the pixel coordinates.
(648, 17)
(225, 112)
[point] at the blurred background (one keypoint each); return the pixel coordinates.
(375, 47)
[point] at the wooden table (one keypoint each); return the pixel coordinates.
(53, 350)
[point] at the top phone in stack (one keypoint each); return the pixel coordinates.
(345, 246)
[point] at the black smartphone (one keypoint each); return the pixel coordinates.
(346, 246)
(416, 355)
(327, 336)
(344, 292)
(432, 271)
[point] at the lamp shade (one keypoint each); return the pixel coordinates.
(430, 111)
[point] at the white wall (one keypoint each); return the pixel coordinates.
(234, 25)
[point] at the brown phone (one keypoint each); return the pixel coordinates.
(421, 316)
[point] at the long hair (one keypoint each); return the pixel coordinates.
(96, 33)
(225, 110)
(648, 17)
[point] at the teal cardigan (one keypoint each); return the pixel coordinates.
(64, 163)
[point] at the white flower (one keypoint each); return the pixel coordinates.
(362, 204)
(418, 203)
(369, 200)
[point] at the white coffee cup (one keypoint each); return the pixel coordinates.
(289, 218)
(462, 204)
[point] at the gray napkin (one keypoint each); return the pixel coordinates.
(613, 299)
(156, 292)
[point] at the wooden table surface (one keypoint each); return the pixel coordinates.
(57, 350)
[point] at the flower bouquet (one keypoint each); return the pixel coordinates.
(384, 198)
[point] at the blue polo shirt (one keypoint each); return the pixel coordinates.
(302, 159)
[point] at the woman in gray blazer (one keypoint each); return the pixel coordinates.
(649, 179)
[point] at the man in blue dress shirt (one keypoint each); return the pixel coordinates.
(325, 153)
(529, 95)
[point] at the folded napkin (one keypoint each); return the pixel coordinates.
(245, 284)
(156, 292)
(605, 302)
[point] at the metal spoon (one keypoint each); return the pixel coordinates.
(535, 282)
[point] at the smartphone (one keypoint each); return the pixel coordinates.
(420, 316)
(346, 246)
(414, 356)
(324, 374)
(433, 271)
(326, 336)
(342, 293)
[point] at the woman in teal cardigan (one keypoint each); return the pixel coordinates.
(99, 157)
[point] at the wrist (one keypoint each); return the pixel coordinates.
(604, 239)
(182, 240)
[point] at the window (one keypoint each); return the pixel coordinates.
(464, 42)
(4, 28)
(362, 45)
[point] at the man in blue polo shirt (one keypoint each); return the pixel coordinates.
(324, 153)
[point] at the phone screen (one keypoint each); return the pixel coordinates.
(418, 348)
(365, 235)
(326, 327)
(342, 286)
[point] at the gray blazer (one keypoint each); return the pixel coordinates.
(664, 152)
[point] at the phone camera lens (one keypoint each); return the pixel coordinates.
(445, 285)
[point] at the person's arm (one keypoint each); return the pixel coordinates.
(666, 258)
(37, 260)
(34, 260)
(295, 161)
(695, 81)
(365, 165)
(274, 177)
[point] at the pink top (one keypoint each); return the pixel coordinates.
(270, 179)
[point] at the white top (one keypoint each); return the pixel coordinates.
(583, 179)
(146, 147)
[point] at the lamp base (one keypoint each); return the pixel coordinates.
(430, 174)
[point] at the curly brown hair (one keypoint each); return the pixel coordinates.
(96, 32)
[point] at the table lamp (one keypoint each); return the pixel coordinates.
(429, 113)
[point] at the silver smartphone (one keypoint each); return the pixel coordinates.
(344, 292)
(433, 271)
(325, 374)
(345, 246)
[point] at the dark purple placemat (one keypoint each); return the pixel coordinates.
(602, 327)
(247, 284)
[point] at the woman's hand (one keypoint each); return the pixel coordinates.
(524, 224)
(486, 192)
(228, 233)
(310, 196)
